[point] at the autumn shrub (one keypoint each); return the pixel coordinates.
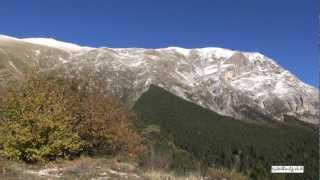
(52, 117)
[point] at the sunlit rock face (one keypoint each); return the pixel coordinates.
(244, 85)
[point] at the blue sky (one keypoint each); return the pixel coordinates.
(285, 30)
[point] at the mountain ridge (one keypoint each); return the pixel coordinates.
(232, 83)
(52, 42)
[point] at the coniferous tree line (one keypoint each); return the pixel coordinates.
(218, 141)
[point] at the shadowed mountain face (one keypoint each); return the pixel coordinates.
(236, 84)
(223, 141)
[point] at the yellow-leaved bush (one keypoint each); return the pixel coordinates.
(50, 117)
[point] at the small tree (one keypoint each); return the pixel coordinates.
(152, 134)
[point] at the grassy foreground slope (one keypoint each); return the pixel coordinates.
(222, 141)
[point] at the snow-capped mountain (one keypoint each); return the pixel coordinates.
(244, 85)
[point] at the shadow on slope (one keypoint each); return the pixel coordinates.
(223, 141)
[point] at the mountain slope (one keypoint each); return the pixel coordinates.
(237, 84)
(223, 141)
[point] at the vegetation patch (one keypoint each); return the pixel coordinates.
(52, 118)
(219, 141)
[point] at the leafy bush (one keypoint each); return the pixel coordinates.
(52, 117)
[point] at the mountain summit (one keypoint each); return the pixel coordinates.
(243, 85)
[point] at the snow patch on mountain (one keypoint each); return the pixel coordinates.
(216, 52)
(7, 37)
(179, 50)
(55, 44)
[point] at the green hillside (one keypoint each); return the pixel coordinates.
(217, 140)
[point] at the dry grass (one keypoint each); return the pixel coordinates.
(213, 174)
(102, 168)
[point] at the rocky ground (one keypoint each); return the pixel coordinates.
(82, 169)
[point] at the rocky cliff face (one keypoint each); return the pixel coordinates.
(238, 84)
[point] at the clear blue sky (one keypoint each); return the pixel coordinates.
(285, 30)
